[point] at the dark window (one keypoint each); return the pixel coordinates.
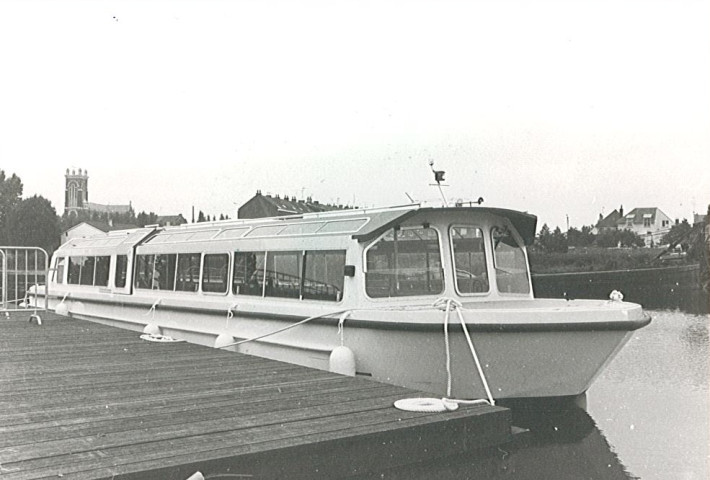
(323, 275)
(75, 264)
(101, 274)
(283, 274)
(188, 272)
(164, 272)
(87, 271)
(214, 274)
(144, 271)
(121, 270)
(248, 277)
(405, 262)
(469, 260)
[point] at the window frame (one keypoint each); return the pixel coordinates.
(486, 262)
(366, 250)
(521, 246)
(228, 271)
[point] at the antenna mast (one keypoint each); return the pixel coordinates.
(438, 178)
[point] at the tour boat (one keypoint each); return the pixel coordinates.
(435, 299)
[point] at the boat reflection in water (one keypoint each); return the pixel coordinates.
(562, 444)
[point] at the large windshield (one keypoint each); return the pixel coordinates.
(405, 262)
(510, 264)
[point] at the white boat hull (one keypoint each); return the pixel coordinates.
(533, 348)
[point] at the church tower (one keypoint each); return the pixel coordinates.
(76, 194)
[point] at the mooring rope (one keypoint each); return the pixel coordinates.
(287, 327)
(435, 405)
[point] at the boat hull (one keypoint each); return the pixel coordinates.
(543, 348)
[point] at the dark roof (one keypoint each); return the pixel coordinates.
(637, 214)
(523, 222)
(610, 220)
(260, 206)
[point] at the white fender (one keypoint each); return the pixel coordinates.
(222, 340)
(62, 309)
(152, 329)
(342, 361)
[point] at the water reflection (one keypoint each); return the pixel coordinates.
(560, 445)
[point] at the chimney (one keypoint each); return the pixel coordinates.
(621, 211)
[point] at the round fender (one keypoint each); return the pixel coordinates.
(342, 361)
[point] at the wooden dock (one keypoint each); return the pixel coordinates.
(83, 400)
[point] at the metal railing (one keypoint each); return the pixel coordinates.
(23, 268)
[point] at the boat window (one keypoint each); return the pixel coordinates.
(283, 274)
(248, 278)
(405, 262)
(188, 272)
(59, 270)
(101, 274)
(214, 274)
(164, 272)
(74, 267)
(510, 263)
(144, 271)
(469, 260)
(121, 271)
(323, 275)
(87, 271)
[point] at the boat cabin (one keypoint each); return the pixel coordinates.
(353, 256)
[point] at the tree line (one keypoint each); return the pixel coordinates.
(682, 235)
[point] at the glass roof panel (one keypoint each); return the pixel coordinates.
(343, 226)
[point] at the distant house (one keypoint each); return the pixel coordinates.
(91, 228)
(171, 220)
(608, 223)
(651, 224)
(698, 219)
(260, 206)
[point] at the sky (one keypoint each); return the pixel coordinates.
(564, 109)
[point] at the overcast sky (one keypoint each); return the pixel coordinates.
(558, 108)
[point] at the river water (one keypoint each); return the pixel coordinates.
(647, 418)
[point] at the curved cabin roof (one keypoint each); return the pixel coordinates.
(362, 224)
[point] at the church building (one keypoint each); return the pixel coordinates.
(76, 196)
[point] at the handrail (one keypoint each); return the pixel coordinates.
(27, 269)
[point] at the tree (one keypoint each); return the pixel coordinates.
(619, 238)
(143, 219)
(10, 196)
(678, 233)
(552, 242)
(201, 217)
(580, 238)
(34, 223)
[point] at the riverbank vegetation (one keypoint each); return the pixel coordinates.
(582, 250)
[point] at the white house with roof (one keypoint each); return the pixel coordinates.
(651, 224)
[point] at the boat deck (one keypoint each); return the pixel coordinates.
(83, 400)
